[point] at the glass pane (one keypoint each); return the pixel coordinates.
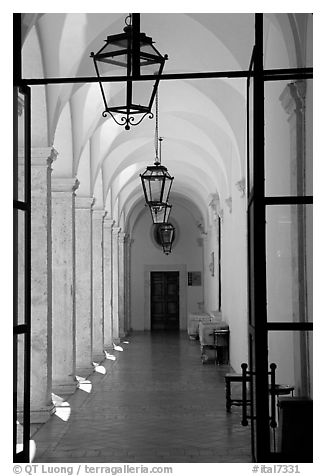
(213, 29)
(252, 395)
(289, 268)
(116, 43)
(251, 266)
(288, 138)
(115, 94)
(287, 40)
(20, 170)
(292, 352)
(117, 66)
(20, 253)
(250, 98)
(142, 91)
(20, 391)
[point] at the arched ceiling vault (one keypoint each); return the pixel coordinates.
(137, 209)
(203, 121)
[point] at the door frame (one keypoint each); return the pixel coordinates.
(258, 328)
(165, 278)
(259, 210)
(22, 323)
(182, 269)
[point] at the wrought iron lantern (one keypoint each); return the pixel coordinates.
(135, 52)
(157, 182)
(167, 232)
(160, 213)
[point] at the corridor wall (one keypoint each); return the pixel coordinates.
(187, 251)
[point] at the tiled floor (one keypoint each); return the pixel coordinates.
(156, 403)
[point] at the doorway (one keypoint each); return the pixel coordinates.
(165, 300)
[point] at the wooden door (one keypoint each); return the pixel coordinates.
(165, 301)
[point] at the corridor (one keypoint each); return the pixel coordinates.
(155, 403)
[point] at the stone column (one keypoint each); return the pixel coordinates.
(97, 287)
(122, 312)
(63, 291)
(107, 281)
(84, 331)
(115, 284)
(202, 242)
(41, 285)
(127, 284)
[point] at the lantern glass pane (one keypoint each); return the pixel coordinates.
(111, 59)
(142, 92)
(166, 190)
(147, 48)
(108, 68)
(146, 189)
(167, 235)
(116, 95)
(155, 189)
(160, 214)
(115, 45)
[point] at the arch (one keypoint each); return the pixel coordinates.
(32, 66)
(63, 143)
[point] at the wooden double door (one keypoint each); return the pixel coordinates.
(165, 301)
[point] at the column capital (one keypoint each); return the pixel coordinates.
(215, 205)
(21, 105)
(293, 97)
(201, 228)
(108, 222)
(40, 156)
(84, 203)
(116, 230)
(241, 186)
(122, 237)
(99, 213)
(64, 184)
(228, 201)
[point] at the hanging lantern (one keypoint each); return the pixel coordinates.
(135, 53)
(167, 232)
(156, 180)
(160, 213)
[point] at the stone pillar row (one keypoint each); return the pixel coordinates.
(80, 288)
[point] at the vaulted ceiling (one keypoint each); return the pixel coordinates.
(202, 121)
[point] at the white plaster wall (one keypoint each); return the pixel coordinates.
(144, 252)
(234, 277)
(211, 277)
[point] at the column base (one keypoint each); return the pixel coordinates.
(41, 415)
(99, 357)
(84, 371)
(64, 388)
(108, 345)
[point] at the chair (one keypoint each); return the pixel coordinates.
(234, 377)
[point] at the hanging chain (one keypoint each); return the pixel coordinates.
(157, 158)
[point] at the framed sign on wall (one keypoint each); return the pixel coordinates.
(194, 278)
